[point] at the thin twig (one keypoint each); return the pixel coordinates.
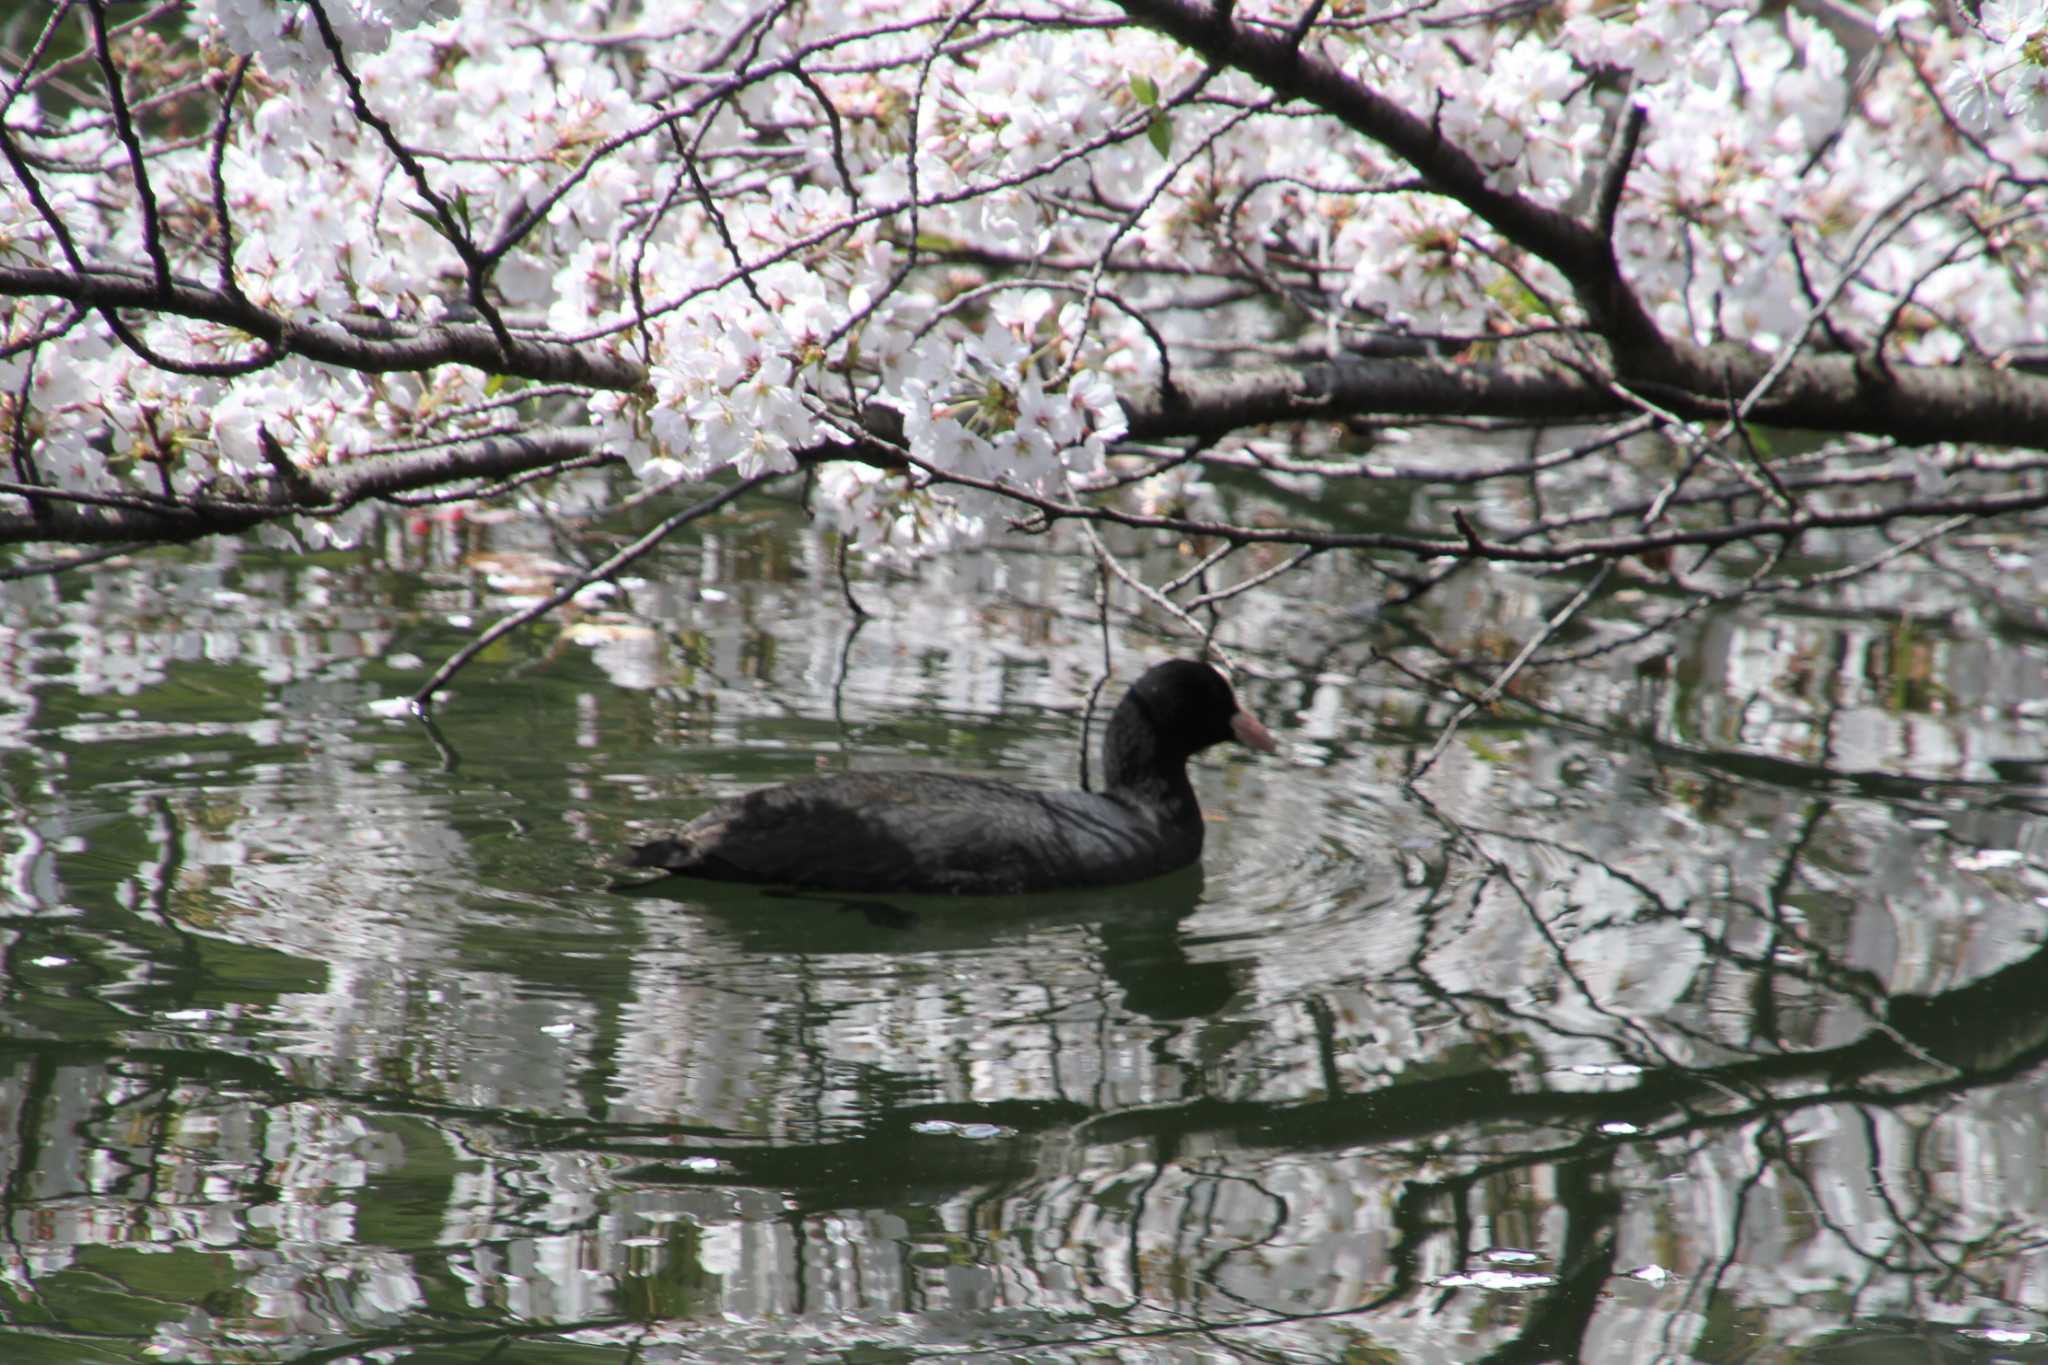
(37, 568)
(422, 700)
(860, 613)
(1108, 666)
(124, 128)
(1620, 156)
(1108, 560)
(1507, 675)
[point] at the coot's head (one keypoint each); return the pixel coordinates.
(1188, 706)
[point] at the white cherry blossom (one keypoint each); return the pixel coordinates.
(717, 201)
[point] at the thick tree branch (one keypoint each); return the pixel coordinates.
(374, 347)
(1823, 393)
(1578, 249)
(97, 521)
(1828, 393)
(1212, 403)
(1909, 404)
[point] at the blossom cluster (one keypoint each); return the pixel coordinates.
(988, 222)
(2006, 79)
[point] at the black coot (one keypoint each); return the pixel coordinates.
(932, 832)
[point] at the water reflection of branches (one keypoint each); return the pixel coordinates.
(1649, 1046)
(1986, 1032)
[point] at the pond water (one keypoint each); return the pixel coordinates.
(1693, 1006)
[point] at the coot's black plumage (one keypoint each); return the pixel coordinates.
(937, 833)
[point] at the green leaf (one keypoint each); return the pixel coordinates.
(1160, 133)
(1485, 752)
(1143, 90)
(429, 217)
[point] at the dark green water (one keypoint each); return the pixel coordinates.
(1692, 1011)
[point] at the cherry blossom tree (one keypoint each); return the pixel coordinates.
(1777, 275)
